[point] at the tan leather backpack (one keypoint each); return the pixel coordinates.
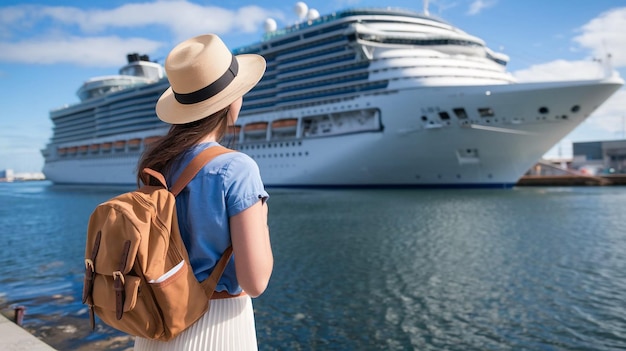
(137, 273)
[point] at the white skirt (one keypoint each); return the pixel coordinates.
(228, 326)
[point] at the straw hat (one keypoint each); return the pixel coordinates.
(205, 77)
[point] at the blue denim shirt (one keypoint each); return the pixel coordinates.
(227, 185)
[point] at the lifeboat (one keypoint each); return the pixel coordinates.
(83, 149)
(62, 151)
(72, 150)
(149, 140)
(255, 129)
(232, 133)
(134, 143)
(94, 148)
(119, 145)
(285, 125)
(106, 147)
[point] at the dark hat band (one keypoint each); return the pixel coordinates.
(211, 89)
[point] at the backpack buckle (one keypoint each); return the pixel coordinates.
(118, 275)
(89, 265)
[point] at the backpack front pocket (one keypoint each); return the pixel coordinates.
(181, 298)
(136, 306)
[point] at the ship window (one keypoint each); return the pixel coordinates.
(444, 115)
(424, 118)
(543, 110)
(575, 108)
(460, 113)
(486, 112)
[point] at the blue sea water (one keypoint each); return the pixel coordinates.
(369, 269)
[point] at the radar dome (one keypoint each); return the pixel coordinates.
(270, 25)
(301, 9)
(313, 14)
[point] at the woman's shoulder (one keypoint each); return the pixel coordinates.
(233, 161)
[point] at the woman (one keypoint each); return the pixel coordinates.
(225, 202)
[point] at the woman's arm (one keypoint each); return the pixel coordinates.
(251, 245)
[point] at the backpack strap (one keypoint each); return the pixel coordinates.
(156, 175)
(196, 164)
(210, 283)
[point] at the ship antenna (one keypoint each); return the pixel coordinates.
(608, 66)
(426, 8)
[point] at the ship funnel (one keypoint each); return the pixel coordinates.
(134, 57)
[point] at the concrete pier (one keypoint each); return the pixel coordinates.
(15, 338)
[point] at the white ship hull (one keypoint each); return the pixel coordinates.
(408, 151)
(370, 98)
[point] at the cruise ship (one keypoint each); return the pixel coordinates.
(365, 97)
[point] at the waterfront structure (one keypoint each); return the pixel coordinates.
(361, 97)
(600, 157)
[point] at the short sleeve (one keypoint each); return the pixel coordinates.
(243, 184)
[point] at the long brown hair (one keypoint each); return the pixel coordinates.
(161, 154)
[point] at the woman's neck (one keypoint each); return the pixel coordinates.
(207, 139)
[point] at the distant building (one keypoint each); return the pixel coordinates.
(600, 157)
(7, 175)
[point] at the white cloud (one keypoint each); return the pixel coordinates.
(478, 5)
(93, 51)
(610, 116)
(183, 18)
(600, 36)
(605, 34)
(560, 70)
(57, 34)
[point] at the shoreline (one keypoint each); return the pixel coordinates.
(572, 180)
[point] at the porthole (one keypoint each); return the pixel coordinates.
(424, 118)
(543, 110)
(575, 108)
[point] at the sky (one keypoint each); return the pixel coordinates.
(48, 48)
